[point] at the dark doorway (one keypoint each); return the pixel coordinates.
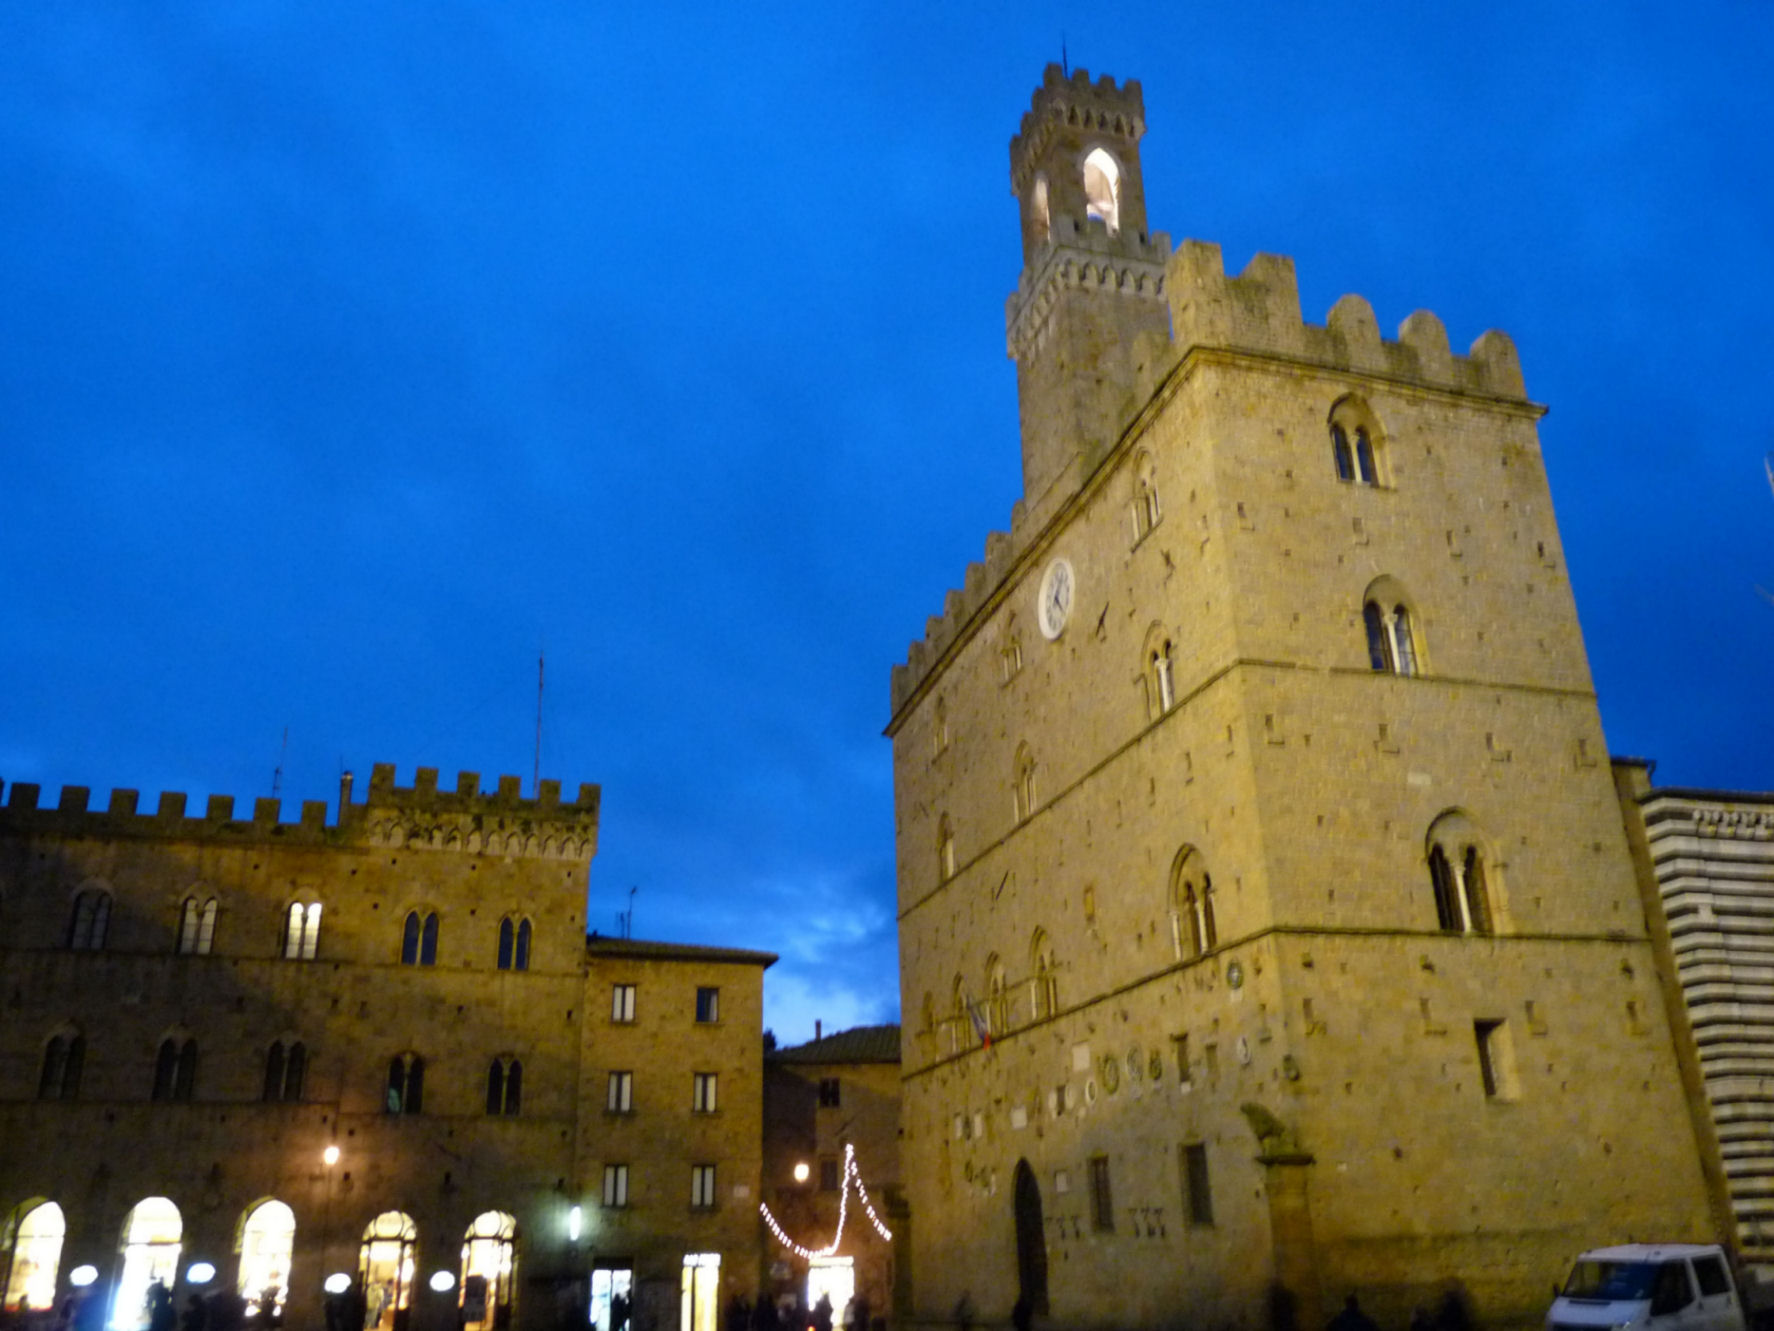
(1031, 1239)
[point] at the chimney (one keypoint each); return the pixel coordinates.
(818, 1025)
(344, 790)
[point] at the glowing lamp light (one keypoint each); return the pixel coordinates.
(330, 1155)
(82, 1276)
(575, 1220)
(200, 1273)
(801, 1172)
(443, 1281)
(337, 1283)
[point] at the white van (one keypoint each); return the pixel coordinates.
(1650, 1287)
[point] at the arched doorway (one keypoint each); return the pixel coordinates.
(489, 1266)
(385, 1267)
(31, 1251)
(267, 1242)
(151, 1244)
(1031, 1240)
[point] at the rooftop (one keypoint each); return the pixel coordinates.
(859, 1044)
(644, 950)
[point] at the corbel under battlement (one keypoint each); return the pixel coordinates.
(420, 816)
(1079, 257)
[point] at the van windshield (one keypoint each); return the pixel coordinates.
(1611, 1281)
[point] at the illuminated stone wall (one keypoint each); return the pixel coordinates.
(1324, 1052)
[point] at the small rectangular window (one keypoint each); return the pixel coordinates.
(615, 1185)
(702, 1186)
(622, 1002)
(828, 1093)
(708, 1004)
(1181, 1044)
(828, 1176)
(1102, 1202)
(621, 1095)
(703, 1099)
(1197, 1190)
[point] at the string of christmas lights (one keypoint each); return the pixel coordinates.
(851, 1174)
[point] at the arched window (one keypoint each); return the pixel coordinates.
(489, 1270)
(406, 1085)
(1023, 790)
(31, 1254)
(1391, 642)
(175, 1069)
(63, 1058)
(301, 931)
(90, 919)
(514, 944)
(998, 1001)
(418, 940)
(1102, 190)
(386, 1263)
(1159, 672)
(1392, 646)
(1010, 653)
(1193, 929)
(505, 1086)
(197, 927)
(152, 1240)
(267, 1243)
(286, 1063)
(1144, 504)
(1039, 216)
(1044, 986)
(945, 849)
(1355, 437)
(1458, 876)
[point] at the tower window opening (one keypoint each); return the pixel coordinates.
(1102, 190)
(1039, 216)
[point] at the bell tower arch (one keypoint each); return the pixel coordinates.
(1092, 278)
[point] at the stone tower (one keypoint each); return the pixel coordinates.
(1266, 914)
(1092, 278)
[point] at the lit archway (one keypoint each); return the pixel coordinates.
(267, 1242)
(152, 1240)
(1102, 189)
(32, 1247)
(489, 1269)
(385, 1266)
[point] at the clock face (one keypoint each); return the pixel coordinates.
(1055, 605)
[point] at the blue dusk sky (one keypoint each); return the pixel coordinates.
(353, 353)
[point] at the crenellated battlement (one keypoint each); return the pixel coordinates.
(420, 816)
(1259, 312)
(1074, 102)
